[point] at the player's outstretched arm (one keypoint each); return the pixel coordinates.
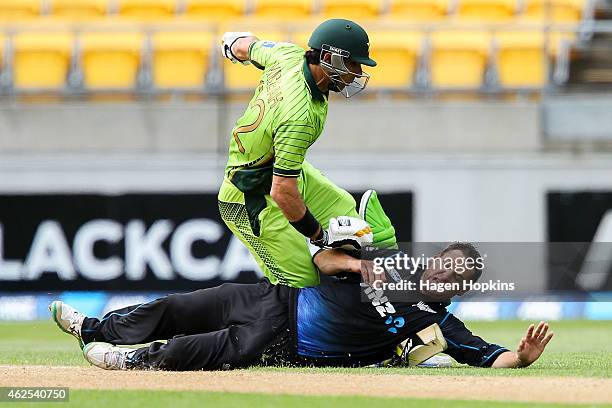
(529, 349)
(235, 46)
(286, 194)
(335, 261)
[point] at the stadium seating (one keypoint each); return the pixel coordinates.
(559, 11)
(556, 38)
(2, 45)
(396, 53)
(111, 59)
(147, 9)
(301, 38)
(458, 58)
(15, 10)
(214, 10)
(78, 9)
(357, 10)
(521, 60)
(41, 60)
(240, 77)
(418, 10)
(181, 59)
(486, 10)
(283, 9)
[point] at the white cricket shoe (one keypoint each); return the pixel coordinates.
(107, 356)
(68, 319)
(437, 361)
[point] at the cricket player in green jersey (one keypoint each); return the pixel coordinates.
(271, 198)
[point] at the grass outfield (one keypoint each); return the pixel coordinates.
(155, 399)
(579, 349)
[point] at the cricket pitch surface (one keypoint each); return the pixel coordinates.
(520, 389)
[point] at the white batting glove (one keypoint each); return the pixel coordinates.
(349, 233)
(228, 40)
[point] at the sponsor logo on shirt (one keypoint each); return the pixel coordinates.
(424, 307)
(384, 308)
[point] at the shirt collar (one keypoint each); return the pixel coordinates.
(314, 89)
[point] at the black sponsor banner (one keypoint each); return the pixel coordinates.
(399, 208)
(127, 242)
(131, 242)
(585, 220)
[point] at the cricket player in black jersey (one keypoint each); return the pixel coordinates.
(238, 325)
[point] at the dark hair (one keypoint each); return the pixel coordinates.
(469, 251)
(313, 56)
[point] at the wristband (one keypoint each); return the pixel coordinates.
(307, 225)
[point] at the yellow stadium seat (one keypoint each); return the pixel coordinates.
(559, 11)
(79, 9)
(356, 10)
(283, 9)
(521, 61)
(215, 10)
(41, 60)
(238, 76)
(147, 9)
(181, 59)
(555, 39)
(458, 58)
(419, 10)
(2, 43)
(111, 59)
(486, 10)
(301, 38)
(12, 10)
(396, 53)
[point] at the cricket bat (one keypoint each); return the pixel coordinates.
(433, 343)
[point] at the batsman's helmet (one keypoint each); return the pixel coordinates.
(342, 39)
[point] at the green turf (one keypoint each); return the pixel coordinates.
(580, 348)
(40, 342)
(133, 399)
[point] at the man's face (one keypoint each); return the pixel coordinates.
(447, 268)
(353, 69)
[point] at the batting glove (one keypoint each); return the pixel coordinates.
(228, 40)
(348, 233)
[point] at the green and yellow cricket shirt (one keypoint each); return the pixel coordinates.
(285, 116)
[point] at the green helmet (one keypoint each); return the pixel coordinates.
(345, 35)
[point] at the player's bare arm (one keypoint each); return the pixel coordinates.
(286, 194)
(348, 232)
(529, 349)
(335, 261)
(240, 48)
(235, 46)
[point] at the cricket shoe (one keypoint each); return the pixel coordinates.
(437, 361)
(371, 211)
(68, 319)
(109, 357)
